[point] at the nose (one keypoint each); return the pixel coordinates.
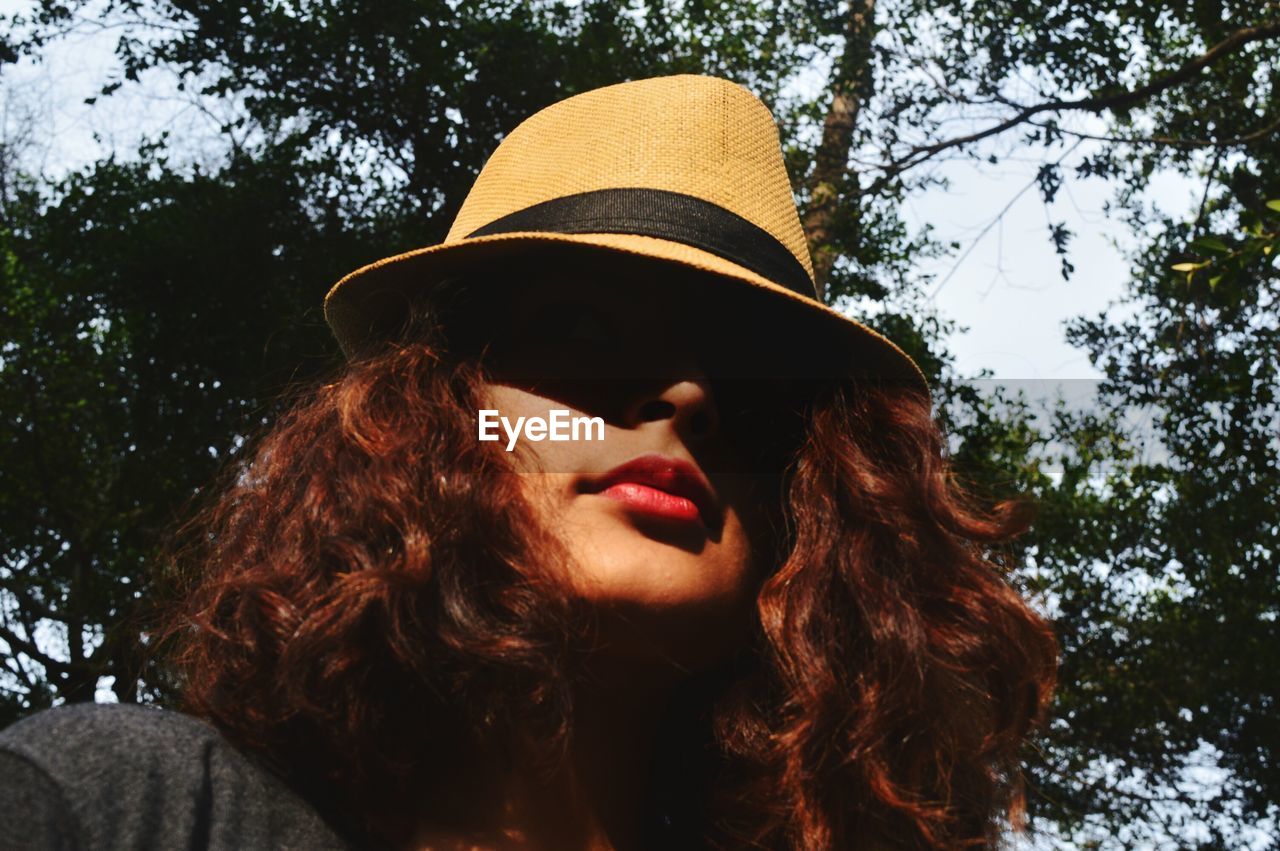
(685, 397)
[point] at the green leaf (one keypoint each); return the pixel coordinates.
(1274, 204)
(1210, 244)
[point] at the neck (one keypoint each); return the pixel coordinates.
(595, 803)
(595, 800)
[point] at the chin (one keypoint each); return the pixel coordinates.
(679, 629)
(671, 582)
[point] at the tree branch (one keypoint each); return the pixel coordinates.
(1096, 103)
(30, 649)
(13, 662)
(987, 229)
(1171, 141)
(28, 603)
(1198, 227)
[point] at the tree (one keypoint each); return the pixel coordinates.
(152, 319)
(1176, 639)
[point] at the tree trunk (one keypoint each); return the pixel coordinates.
(851, 88)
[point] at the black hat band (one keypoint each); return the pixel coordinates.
(666, 215)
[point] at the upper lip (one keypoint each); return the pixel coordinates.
(669, 474)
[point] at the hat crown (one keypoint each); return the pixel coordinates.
(696, 135)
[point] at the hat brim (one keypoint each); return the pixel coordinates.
(370, 303)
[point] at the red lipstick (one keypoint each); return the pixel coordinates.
(661, 486)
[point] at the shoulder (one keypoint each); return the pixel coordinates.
(134, 776)
(130, 732)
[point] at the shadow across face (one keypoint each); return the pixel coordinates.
(596, 333)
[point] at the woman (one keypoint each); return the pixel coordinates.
(750, 610)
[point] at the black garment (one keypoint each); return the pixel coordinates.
(91, 776)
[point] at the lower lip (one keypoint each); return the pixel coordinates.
(653, 502)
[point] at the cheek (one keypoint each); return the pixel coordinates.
(760, 507)
(531, 456)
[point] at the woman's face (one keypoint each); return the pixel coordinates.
(672, 554)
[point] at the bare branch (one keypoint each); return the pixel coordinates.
(987, 229)
(1198, 227)
(1172, 141)
(1097, 103)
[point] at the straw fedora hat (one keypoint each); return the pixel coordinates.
(677, 173)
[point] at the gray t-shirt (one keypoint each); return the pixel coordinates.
(90, 776)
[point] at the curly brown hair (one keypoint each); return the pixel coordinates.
(367, 597)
